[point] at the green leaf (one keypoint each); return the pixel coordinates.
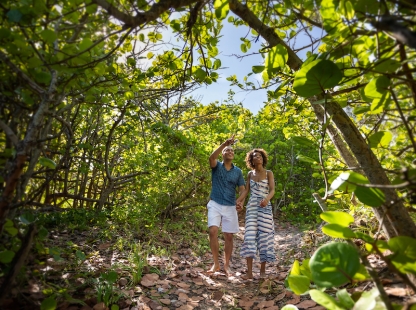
(48, 35)
(377, 87)
(149, 55)
(91, 8)
(316, 77)
(306, 159)
(276, 58)
(6, 256)
(295, 268)
(42, 233)
(257, 69)
(387, 65)
(200, 74)
(85, 44)
(361, 109)
(372, 197)
(361, 274)
(305, 270)
(337, 217)
(380, 139)
(27, 218)
(325, 300)
(80, 255)
(290, 307)
(49, 303)
(338, 182)
(129, 95)
(381, 245)
(404, 257)
(243, 48)
(369, 300)
(14, 15)
(175, 25)
(48, 163)
(347, 9)
(8, 223)
(338, 231)
(344, 182)
(378, 105)
(221, 8)
(217, 64)
(303, 141)
(43, 77)
(334, 264)
(364, 237)
(367, 6)
(345, 299)
(9, 227)
(112, 276)
(299, 284)
(363, 96)
(8, 153)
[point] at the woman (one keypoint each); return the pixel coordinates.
(259, 232)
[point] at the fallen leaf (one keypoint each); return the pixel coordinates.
(165, 301)
(104, 246)
(306, 304)
(198, 281)
(197, 298)
(154, 305)
(265, 304)
(295, 300)
(100, 306)
(217, 295)
(183, 285)
(396, 291)
(149, 279)
(280, 296)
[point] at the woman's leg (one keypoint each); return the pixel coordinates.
(249, 274)
(263, 270)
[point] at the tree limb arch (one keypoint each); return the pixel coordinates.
(143, 18)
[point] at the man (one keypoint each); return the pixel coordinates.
(222, 207)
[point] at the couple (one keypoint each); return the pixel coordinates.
(223, 207)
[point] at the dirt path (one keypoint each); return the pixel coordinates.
(188, 286)
(176, 282)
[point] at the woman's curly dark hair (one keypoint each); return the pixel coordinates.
(249, 157)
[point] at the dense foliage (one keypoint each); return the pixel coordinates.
(99, 125)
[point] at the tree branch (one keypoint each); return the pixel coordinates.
(21, 74)
(266, 32)
(9, 133)
(142, 18)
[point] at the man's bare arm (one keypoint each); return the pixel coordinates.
(214, 156)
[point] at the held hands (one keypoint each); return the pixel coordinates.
(239, 205)
(264, 202)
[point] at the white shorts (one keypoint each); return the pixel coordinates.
(225, 215)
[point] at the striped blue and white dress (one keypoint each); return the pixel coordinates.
(259, 233)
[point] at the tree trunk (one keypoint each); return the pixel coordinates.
(398, 221)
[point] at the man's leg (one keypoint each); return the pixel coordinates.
(213, 242)
(228, 250)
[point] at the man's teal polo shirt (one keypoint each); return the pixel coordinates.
(224, 183)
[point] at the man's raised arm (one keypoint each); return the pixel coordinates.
(214, 155)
